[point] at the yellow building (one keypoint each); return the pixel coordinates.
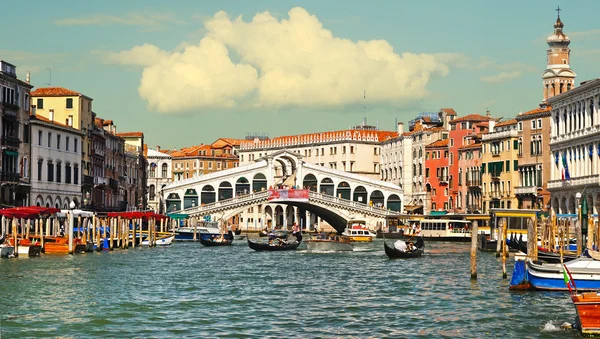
(72, 109)
(500, 165)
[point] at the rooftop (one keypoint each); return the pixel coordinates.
(507, 123)
(131, 134)
(54, 92)
(439, 143)
(472, 117)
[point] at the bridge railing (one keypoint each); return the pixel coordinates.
(226, 203)
(351, 203)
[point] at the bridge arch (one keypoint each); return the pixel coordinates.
(225, 190)
(360, 194)
(310, 182)
(190, 198)
(377, 198)
(207, 195)
(242, 186)
(327, 186)
(173, 202)
(343, 190)
(259, 182)
(394, 203)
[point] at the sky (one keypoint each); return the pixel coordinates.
(190, 72)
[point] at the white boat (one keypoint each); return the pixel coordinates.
(357, 231)
(187, 233)
(441, 230)
(545, 276)
(7, 251)
(329, 244)
(164, 241)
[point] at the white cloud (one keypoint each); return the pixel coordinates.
(501, 77)
(147, 20)
(268, 62)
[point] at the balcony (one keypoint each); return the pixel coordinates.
(87, 180)
(443, 179)
(11, 141)
(9, 177)
(588, 181)
(8, 105)
(495, 175)
(473, 208)
(522, 190)
(476, 183)
(495, 194)
(500, 135)
(99, 181)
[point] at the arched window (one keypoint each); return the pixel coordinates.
(152, 192)
(164, 170)
(152, 170)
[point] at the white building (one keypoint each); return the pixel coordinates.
(56, 158)
(575, 147)
(159, 175)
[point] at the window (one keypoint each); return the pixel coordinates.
(50, 171)
(520, 126)
(67, 143)
(58, 141)
(427, 173)
(210, 165)
(49, 138)
(434, 191)
(533, 124)
(40, 103)
(25, 167)
(40, 138)
(164, 170)
(539, 123)
(39, 168)
(58, 171)
(67, 173)
(76, 175)
(351, 149)
(26, 133)
(69, 103)
(75, 142)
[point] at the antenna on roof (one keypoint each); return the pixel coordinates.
(365, 106)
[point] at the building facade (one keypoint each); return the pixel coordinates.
(437, 180)
(534, 158)
(575, 147)
(15, 138)
(159, 175)
(135, 167)
(470, 197)
(500, 165)
(558, 76)
(56, 153)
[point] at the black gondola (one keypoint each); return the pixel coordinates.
(393, 253)
(257, 246)
(238, 231)
(212, 242)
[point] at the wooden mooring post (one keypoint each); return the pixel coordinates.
(504, 248)
(474, 235)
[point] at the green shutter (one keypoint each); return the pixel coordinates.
(508, 165)
(516, 165)
(482, 168)
(515, 144)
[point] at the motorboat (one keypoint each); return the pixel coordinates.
(7, 251)
(328, 243)
(186, 233)
(548, 276)
(587, 305)
(160, 241)
(357, 231)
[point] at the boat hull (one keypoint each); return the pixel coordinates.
(393, 253)
(550, 277)
(272, 248)
(211, 243)
(328, 245)
(7, 251)
(587, 306)
(166, 241)
(29, 251)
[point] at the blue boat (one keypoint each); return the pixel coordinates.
(550, 277)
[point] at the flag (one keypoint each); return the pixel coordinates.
(565, 174)
(568, 279)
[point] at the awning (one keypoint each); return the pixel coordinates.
(437, 213)
(177, 216)
(411, 208)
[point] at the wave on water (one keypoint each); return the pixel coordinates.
(551, 327)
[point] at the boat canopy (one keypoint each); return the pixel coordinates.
(28, 212)
(137, 215)
(177, 216)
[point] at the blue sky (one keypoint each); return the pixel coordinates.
(198, 73)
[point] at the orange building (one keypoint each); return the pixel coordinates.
(192, 161)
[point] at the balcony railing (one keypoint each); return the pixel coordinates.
(11, 141)
(9, 177)
(585, 181)
(87, 180)
(474, 183)
(443, 179)
(474, 207)
(526, 190)
(500, 135)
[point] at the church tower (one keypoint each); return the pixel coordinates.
(558, 76)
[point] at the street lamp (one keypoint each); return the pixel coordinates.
(578, 199)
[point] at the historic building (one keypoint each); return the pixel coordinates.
(16, 159)
(74, 109)
(437, 180)
(575, 147)
(469, 198)
(159, 175)
(558, 76)
(189, 162)
(499, 166)
(56, 154)
(534, 158)
(134, 170)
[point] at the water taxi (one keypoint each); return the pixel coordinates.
(357, 231)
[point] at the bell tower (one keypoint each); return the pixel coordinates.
(558, 76)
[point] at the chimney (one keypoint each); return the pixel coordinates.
(27, 77)
(33, 110)
(70, 121)
(51, 114)
(157, 148)
(487, 113)
(400, 127)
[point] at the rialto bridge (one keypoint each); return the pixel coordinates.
(305, 194)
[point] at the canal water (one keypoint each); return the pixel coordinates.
(190, 291)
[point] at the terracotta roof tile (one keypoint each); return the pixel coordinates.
(449, 111)
(471, 146)
(130, 134)
(507, 123)
(439, 143)
(315, 137)
(472, 117)
(538, 110)
(43, 118)
(54, 92)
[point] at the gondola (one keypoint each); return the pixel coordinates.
(273, 247)
(211, 242)
(393, 253)
(238, 231)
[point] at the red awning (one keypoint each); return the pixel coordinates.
(28, 212)
(137, 215)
